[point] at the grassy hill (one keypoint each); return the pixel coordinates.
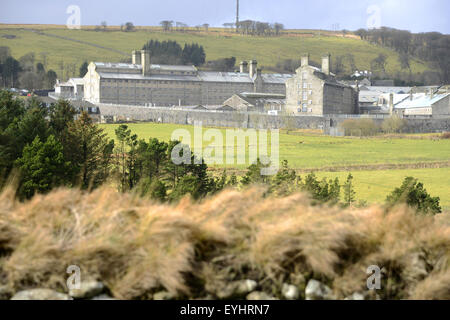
(72, 47)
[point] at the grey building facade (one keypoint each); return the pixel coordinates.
(146, 84)
(314, 91)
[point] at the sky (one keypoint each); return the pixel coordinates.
(412, 15)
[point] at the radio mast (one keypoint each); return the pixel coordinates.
(237, 16)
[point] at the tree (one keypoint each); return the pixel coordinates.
(205, 26)
(104, 25)
(253, 174)
(5, 52)
(61, 114)
(50, 79)
(379, 63)
(151, 157)
(89, 151)
(129, 26)
(416, 196)
(394, 124)
(349, 191)
(27, 62)
(278, 27)
(126, 157)
(11, 112)
(339, 66)
(403, 58)
(10, 72)
(166, 25)
(154, 189)
(33, 124)
(285, 182)
(186, 185)
(42, 167)
(83, 69)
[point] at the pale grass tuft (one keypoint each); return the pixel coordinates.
(138, 247)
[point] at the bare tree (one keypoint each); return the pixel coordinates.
(278, 27)
(104, 25)
(166, 25)
(180, 26)
(229, 25)
(129, 26)
(206, 26)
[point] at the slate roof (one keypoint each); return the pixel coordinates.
(421, 100)
(129, 72)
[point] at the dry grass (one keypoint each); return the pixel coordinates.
(137, 247)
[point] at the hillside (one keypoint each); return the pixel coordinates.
(72, 47)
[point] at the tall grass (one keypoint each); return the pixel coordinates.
(137, 247)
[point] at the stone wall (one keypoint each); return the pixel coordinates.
(254, 120)
(211, 118)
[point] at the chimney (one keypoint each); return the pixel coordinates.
(305, 60)
(145, 61)
(326, 64)
(391, 104)
(244, 65)
(253, 68)
(136, 57)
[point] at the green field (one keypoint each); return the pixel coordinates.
(218, 44)
(325, 154)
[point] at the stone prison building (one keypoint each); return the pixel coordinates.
(316, 92)
(144, 84)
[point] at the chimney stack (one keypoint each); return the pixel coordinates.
(253, 68)
(391, 104)
(145, 61)
(136, 57)
(326, 64)
(305, 60)
(244, 65)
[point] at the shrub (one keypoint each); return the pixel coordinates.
(414, 195)
(360, 127)
(445, 135)
(394, 124)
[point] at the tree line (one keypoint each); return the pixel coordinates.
(429, 46)
(25, 72)
(258, 28)
(170, 52)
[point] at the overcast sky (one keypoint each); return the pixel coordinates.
(413, 15)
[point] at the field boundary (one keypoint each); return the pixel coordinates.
(77, 41)
(365, 167)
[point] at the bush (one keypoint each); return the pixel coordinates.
(394, 124)
(414, 195)
(360, 127)
(445, 135)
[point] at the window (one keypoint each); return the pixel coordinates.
(309, 109)
(310, 92)
(305, 85)
(305, 108)
(310, 102)
(304, 75)
(305, 96)
(299, 110)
